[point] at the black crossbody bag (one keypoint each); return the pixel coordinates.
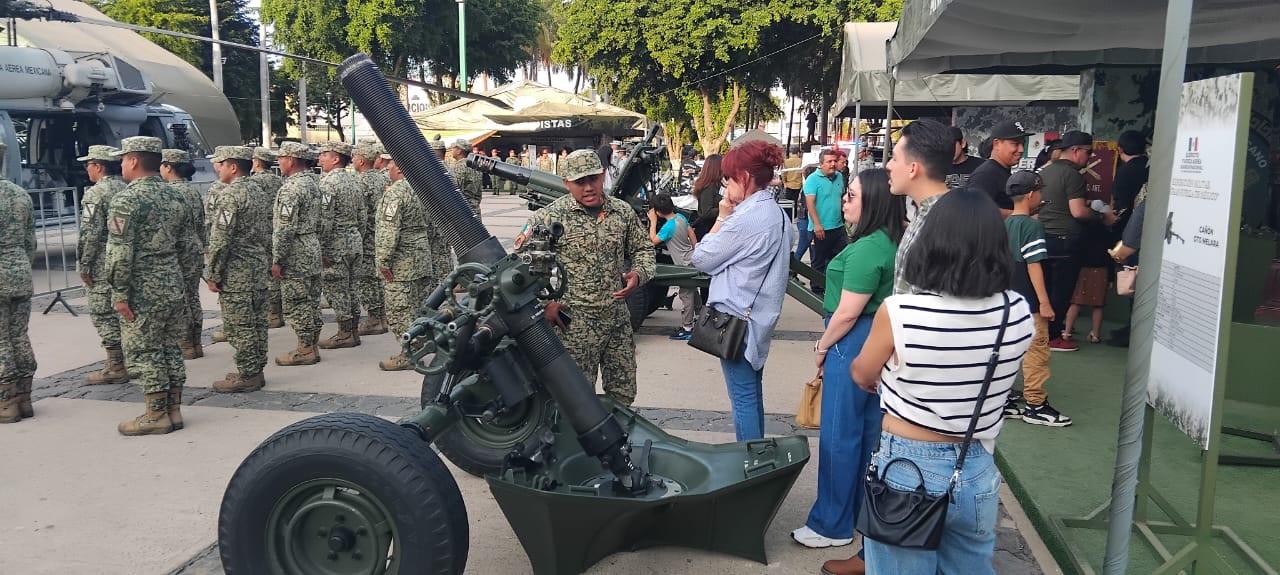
(916, 519)
(721, 334)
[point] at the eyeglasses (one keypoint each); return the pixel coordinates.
(850, 196)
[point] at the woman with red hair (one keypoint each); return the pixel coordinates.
(747, 253)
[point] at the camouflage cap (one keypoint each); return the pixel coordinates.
(223, 153)
(461, 144)
(366, 149)
(437, 143)
(386, 156)
(175, 156)
(145, 144)
(264, 154)
(582, 163)
(99, 154)
(336, 147)
(295, 150)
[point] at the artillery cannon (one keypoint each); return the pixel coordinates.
(633, 186)
(350, 493)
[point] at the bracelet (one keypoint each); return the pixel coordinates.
(819, 350)
(720, 219)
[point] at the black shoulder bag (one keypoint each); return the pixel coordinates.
(721, 334)
(917, 519)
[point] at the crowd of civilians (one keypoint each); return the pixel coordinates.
(916, 290)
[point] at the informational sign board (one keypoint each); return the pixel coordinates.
(1200, 235)
(1100, 174)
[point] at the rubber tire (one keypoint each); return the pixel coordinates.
(454, 445)
(392, 463)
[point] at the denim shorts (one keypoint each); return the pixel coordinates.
(969, 541)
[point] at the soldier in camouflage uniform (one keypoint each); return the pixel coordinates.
(295, 251)
(402, 254)
(104, 172)
(341, 244)
(236, 267)
(17, 250)
(218, 336)
(176, 168)
(367, 281)
(150, 229)
(467, 179)
(270, 182)
(602, 234)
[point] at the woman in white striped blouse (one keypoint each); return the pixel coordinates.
(927, 355)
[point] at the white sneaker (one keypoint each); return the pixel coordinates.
(809, 538)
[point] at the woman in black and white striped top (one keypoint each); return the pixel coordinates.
(926, 356)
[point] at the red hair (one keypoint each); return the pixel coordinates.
(758, 159)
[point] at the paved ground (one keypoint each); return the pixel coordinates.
(81, 499)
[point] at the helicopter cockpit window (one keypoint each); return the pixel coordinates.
(186, 136)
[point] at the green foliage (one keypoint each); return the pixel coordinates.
(172, 15)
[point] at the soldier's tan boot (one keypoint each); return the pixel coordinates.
(155, 421)
(9, 412)
(373, 325)
(346, 337)
(24, 397)
(175, 407)
(219, 336)
(188, 350)
(237, 383)
(275, 318)
(303, 355)
(395, 363)
(114, 372)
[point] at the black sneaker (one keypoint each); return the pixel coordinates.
(1012, 409)
(682, 334)
(1045, 414)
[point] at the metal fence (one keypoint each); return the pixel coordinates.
(57, 223)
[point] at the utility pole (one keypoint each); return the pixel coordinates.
(217, 48)
(264, 81)
(302, 104)
(462, 44)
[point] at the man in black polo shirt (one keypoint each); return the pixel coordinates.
(1007, 143)
(962, 164)
(1064, 213)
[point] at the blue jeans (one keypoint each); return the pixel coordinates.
(850, 426)
(970, 537)
(806, 236)
(746, 397)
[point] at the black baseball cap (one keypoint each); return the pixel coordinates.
(1011, 130)
(1022, 183)
(956, 134)
(1075, 138)
(1054, 144)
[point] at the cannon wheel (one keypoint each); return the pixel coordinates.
(479, 448)
(343, 493)
(643, 302)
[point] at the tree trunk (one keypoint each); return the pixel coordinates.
(823, 120)
(548, 72)
(711, 134)
(577, 78)
(676, 137)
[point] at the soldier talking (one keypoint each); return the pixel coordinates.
(104, 172)
(467, 179)
(602, 234)
(150, 231)
(270, 182)
(402, 254)
(236, 267)
(17, 250)
(176, 169)
(340, 243)
(368, 284)
(295, 251)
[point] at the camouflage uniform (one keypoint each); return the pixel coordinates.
(547, 163)
(17, 249)
(93, 248)
(238, 262)
(340, 241)
(193, 261)
(367, 280)
(270, 183)
(403, 245)
(295, 246)
(595, 251)
(467, 179)
(149, 228)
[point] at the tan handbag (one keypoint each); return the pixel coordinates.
(1126, 280)
(809, 414)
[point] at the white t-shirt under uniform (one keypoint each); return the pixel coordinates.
(941, 348)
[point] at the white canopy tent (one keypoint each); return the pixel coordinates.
(864, 82)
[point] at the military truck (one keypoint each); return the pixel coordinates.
(635, 183)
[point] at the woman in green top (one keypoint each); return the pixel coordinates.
(858, 279)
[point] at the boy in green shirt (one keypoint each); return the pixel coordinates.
(1027, 246)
